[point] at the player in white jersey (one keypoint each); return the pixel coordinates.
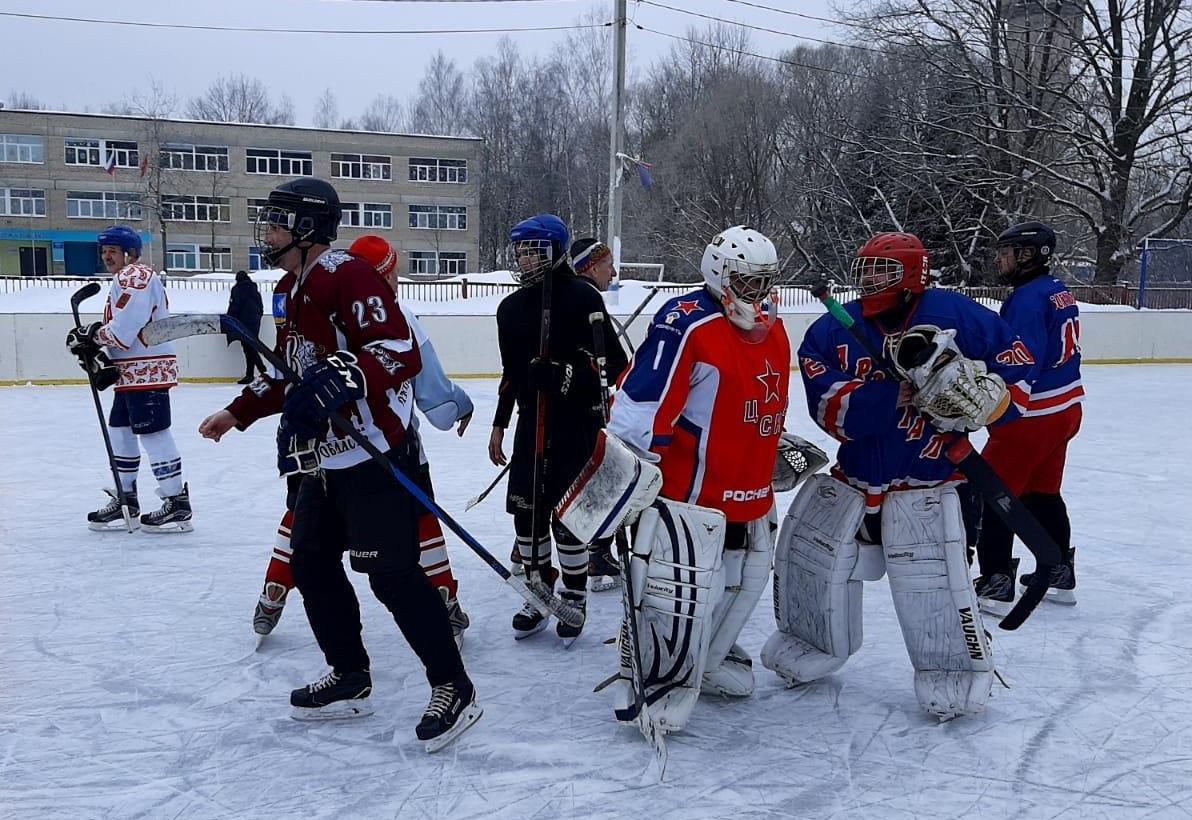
(140, 415)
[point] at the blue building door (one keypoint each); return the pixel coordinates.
(82, 258)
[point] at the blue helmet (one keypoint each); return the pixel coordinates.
(123, 236)
(543, 230)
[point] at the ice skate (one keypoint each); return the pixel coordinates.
(529, 621)
(733, 678)
(1061, 589)
(269, 609)
(111, 517)
(456, 615)
(603, 571)
(570, 634)
(333, 697)
(995, 592)
(174, 515)
(451, 712)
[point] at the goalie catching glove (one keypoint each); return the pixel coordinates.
(326, 386)
(797, 459)
(959, 394)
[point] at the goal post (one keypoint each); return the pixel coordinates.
(645, 271)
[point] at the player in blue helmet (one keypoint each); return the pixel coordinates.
(574, 415)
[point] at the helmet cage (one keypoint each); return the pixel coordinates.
(540, 258)
(749, 282)
(873, 274)
(282, 217)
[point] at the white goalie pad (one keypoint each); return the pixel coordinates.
(817, 603)
(677, 579)
(613, 485)
(746, 576)
(924, 540)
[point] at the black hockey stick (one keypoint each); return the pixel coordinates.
(538, 489)
(641, 713)
(181, 326)
(472, 502)
(77, 298)
(984, 480)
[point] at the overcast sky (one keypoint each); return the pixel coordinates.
(74, 65)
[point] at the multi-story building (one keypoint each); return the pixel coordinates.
(192, 190)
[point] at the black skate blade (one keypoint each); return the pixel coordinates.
(569, 642)
(113, 526)
(607, 682)
(467, 718)
(519, 635)
(340, 710)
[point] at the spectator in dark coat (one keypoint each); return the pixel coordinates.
(245, 307)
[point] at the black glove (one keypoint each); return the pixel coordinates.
(549, 376)
(326, 386)
(81, 341)
(295, 455)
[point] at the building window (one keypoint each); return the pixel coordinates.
(439, 217)
(361, 166)
(367, 215)
(22, 202)
(95, 152)
(279, 163)
(102, 205)
(187, 157)
(19, 148)
(428, 263)
(255, 260)
(424, 169)
(198, 257)
(196, 209)
(254, 208)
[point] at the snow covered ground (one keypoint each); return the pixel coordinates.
(131, 688)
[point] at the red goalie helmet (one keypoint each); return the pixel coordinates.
(886, 267)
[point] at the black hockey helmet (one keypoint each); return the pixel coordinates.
(1034, 235)
(308, 208)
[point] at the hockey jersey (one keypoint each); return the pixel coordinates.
(341, 303)
(885, 443)
(708, 404)
(1044, 314)
(136, 298)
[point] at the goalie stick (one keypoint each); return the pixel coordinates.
(641, 712)
(77, 298)
(176, 327)
(983, 479)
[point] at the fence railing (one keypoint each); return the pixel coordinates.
(447, 291)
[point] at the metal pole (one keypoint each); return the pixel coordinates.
(1142, 273)
(616, 141)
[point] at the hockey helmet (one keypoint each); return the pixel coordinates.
(739, 267)
(308, 208)
(888, 269)
(539, 244)
(121, 236)
(1036, 236)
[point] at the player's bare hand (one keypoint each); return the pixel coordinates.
(463, 424)
(495, 454)
(215, 425)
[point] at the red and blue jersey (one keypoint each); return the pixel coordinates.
(709, 404)
(1044, 314)
(885, 443)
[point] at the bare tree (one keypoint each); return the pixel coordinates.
(24, 100)
(440, 105)
(326, 110)
(385, 113)
(240, 98)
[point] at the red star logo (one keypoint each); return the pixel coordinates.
(771, 380)
(689, 308)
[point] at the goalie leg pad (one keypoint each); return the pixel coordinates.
(746, 573)
(677, 578)
(924, 536)
(614, 484)
(817, 605)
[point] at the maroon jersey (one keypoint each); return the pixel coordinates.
(341, 303)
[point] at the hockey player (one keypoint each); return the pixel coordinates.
(345, 335)
(704, 400)
(570, 386)
(889, 506)
(445, 404)
(1029, 453)
(143, 376)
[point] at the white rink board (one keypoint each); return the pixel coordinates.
(131, 689)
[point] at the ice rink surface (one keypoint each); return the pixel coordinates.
(131, 688)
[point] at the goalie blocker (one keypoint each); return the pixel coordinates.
(819, 569)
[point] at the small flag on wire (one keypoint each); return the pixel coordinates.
(110, 163)
(643, 173)
(144, 166)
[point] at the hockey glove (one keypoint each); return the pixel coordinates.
(326, 386)
(81, 341)
(295, 455)
(549, 376)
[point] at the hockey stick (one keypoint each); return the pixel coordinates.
(641, 712)
(623, 329)
(538, 489)
(984, 480)
(77, 298)
(537, 594)
(472, 502)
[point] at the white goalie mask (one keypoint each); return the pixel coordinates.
(740, 266)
